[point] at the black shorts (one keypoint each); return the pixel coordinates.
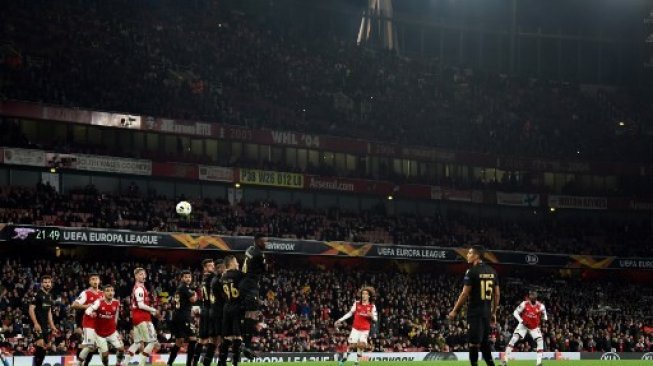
(479, 329)
(249, 289)
(182, 326)
(207, 324)
(250, 303)
(216, 319)
(232, 317)
(44, 334)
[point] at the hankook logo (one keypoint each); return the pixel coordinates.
(610, 356)
(532, 259)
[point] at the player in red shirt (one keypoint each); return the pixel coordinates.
(142, 312)
(364, 313)
(105, 311)
(83, 301)
(529, 314)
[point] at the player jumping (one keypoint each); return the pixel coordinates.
(253, 269)
(529, 314)
(364, 313)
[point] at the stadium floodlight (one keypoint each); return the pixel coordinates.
(237, 185)
(377, 25)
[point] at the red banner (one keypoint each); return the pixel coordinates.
(175, 170)
(363, 186)
(333, 184)
(415, 191)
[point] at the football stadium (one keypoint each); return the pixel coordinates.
(329, 183)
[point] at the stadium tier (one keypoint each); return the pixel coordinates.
(234, 64)
(335, 181)
(456, 227)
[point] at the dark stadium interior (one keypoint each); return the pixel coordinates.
(525, 126)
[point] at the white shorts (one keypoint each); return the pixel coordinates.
(358, 336)
(522, 330)
(103, 342)
(89, 337)
(144, 332)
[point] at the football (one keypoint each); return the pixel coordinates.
(184, 208)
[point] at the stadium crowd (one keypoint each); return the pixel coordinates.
(146, 211)
(138, 211)
(219, 62)
(302, 304)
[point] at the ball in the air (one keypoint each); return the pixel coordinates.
(184, 208)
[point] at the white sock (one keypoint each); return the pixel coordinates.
(539, 356)
(142, 358)
(506, 356)
(147, 352)
(84, 354)
(131, 352)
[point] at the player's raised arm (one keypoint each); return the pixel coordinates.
(544, 315)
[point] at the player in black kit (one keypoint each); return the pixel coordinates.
(253, 269)
(40, 312)
(482, 289)
(208, 330)
(182, 319)
(232, 312)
